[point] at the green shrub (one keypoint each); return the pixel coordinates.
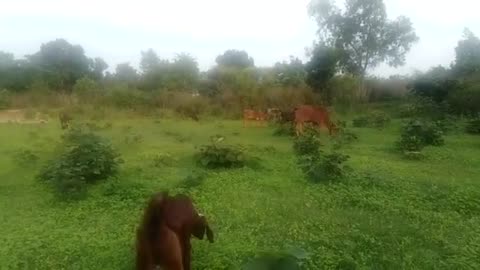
(219, 155)
(84, 158)
(323, 167)
(284, 129)
(473, 126)
(417, 134)
(343, 136)
(85, 88)
(361, 121)
(379, 120)
(308, 143)
(374, 120)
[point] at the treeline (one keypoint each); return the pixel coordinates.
(352, 41)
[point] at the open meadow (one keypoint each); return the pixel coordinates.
(387, 212)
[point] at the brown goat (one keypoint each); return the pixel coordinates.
(164, 235)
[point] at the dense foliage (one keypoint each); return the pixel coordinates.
(85, 158)
(217, 154)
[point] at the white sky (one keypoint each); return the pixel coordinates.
(269, 30)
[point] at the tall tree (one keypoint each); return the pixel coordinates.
(321, 68)
(61, 63)
(290, 73)
(467, 60)
(98, 68)
(184, 72)
(363, 34)
(235, 59)
(126, 73)
(15, 74)
(149, 61)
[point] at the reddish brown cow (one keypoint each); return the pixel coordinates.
(251, 115)
(316, 115)
(164, 236)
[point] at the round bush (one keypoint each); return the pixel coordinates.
(84, 158)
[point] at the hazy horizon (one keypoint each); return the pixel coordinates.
(270, 31)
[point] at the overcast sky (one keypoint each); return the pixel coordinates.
(269, 30)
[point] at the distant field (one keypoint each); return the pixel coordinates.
(389, 213)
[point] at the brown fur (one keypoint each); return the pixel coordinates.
(316, 115)
(164, 235)
(251, 115)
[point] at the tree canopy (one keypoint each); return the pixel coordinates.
(61, 63)
(467, 59)
(235, 59)
(363, 34)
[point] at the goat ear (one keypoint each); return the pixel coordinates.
(209, 233)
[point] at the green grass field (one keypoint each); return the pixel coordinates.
(389, 213)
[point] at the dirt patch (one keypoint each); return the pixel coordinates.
(22, 117)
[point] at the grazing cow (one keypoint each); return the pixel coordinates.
(164, 235)
(316, 115)
(65, 120)
(251, 115)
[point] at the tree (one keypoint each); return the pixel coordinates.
(15, 74)
(98, 68)
(149, 61)
(126, 73)
(467, 60)
(154, 70)
(320, 69)
(184, 72)
(235, 59)
(363, 34)
(290, 73)
(61, 63)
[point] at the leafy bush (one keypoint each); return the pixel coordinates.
(379, 119)
(320, 168)
(361, 121)
(284, 129)
(343, 135)
(219, 155)
(84, 158)
(473, 126)
(308, 143)
(85, 88)
(466, 100)
(374, 120)
(417, 134)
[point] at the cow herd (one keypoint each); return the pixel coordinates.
(299, 116)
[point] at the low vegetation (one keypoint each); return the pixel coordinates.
(84, 158)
